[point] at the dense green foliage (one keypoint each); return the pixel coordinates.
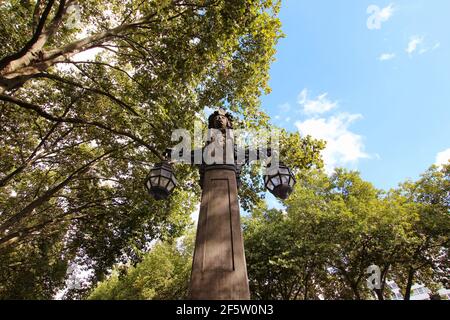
(336, 227)
(79, 133)
(163, 274)
(333, 229)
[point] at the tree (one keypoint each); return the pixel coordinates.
(80, 132)
(320, 247)
(282, 264)
(163, 274)
(34, 271)
(341, 219)
(426, 255)
(334, 228)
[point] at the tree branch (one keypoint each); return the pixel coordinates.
(30, 159)
(16, 218)
(106, 65)
(83, 44)
(31, 50)
(36, 14)
(41, 112)
(93, 90)
(39, 29)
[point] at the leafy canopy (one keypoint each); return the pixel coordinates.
(87, 109)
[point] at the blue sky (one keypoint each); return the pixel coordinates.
(379, 94)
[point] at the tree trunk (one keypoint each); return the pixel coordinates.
(33, 59)
(409, 283)
(33, 50)
(355, 290)
(305, 295)
(379, 293)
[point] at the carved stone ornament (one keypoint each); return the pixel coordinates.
(221, 120)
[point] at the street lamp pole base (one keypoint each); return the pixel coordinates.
(219, 271)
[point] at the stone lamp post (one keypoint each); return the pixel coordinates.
(219, 270)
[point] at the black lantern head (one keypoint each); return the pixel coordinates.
(279, 181)
(161, 181)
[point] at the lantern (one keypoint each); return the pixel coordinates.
(161, 181)
(279, 181)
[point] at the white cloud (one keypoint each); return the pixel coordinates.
(414, 43)
(343, 146)
(387, 12)
(319, 105)
(386, 56)
(428, 49)
(443, 157)
(436, 46)
(419, 44)
(303, 96)
(378, 16)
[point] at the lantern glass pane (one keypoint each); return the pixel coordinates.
(155, 172)
(166, 173)
(170, 186)
(276, 181)
(285, 179)
(154, 181)
(163, 182)
(174, 180)
(270, 186)
(284, 170)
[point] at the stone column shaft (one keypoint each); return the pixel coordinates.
(219, 271)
